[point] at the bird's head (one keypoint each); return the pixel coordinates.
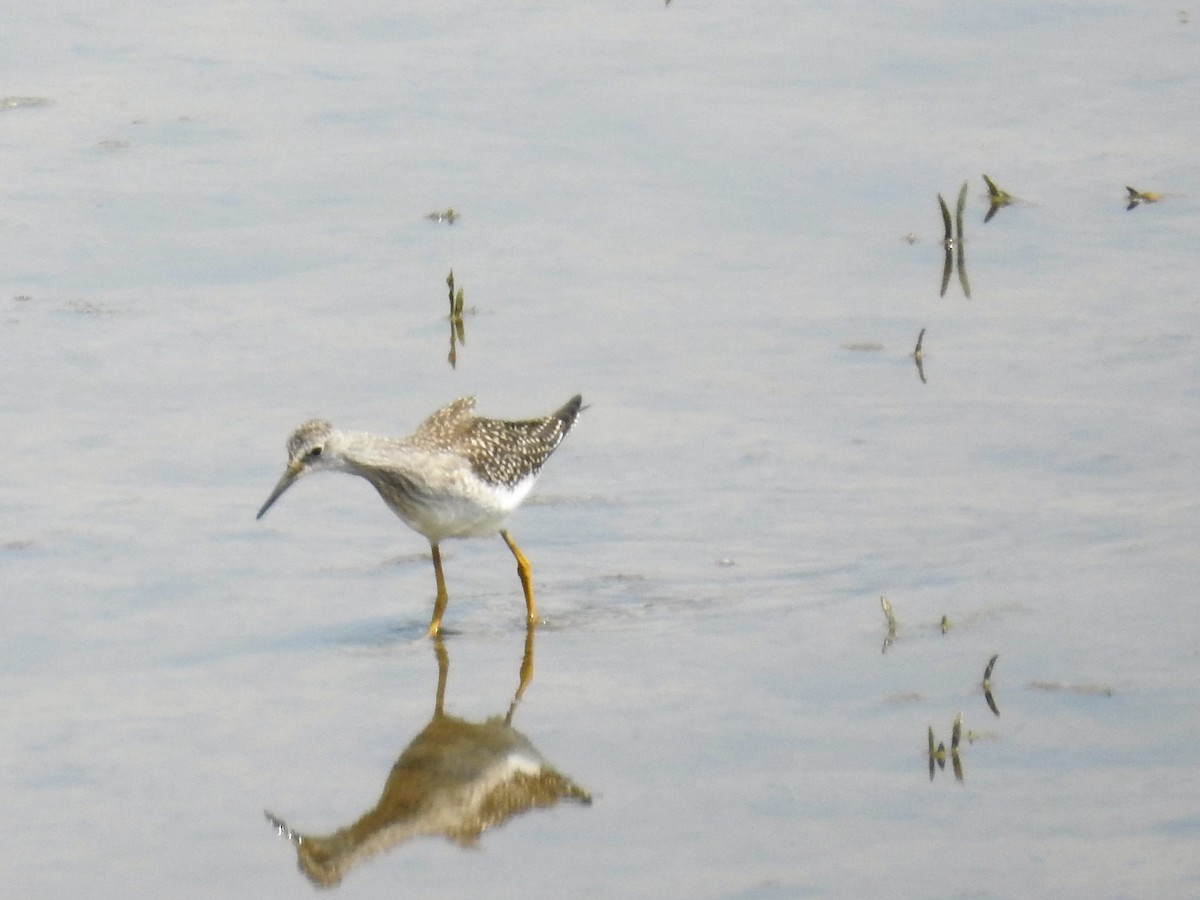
(306, 453)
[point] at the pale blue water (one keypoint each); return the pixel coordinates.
(692, 215)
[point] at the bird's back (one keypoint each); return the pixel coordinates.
(499, 452)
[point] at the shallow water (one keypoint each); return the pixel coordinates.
(695, 215)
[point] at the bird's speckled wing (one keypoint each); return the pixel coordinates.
(445, 427)
(499, 451)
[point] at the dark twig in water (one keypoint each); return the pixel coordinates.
(987, 684)
(918, 358)
(891, 621)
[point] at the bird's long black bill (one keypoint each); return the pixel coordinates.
(285, 482)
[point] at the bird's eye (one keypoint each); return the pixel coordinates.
(314, 452)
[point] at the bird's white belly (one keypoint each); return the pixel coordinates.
(468, 511)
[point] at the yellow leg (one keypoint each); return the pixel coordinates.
(526, 576)
(439, 604)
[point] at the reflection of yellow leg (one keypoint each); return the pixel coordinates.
(443, 660)
(439, 605)
(526, 672)
(526, 576)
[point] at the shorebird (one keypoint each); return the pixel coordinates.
(457, 475)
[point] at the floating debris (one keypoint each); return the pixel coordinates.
(947, 225)
(937, 750)
(449, 216)
(23, 102)
(283, 829)
(997, 198)
(886, 604)
(955, 739)
(89, 308)
(890, 637)
(908, 697)
(954, 243)
(973, 737)
(937, 755)
(1136, 197)
(918, 358)
(944, 624)
(456, 300)
(863, 346)
(458, 329)
(987, 673)
(986, 684)
(1087, 689)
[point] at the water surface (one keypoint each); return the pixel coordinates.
(718, 224)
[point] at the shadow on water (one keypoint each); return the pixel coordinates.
(455, 779)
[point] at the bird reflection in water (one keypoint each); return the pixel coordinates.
(455, 779)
